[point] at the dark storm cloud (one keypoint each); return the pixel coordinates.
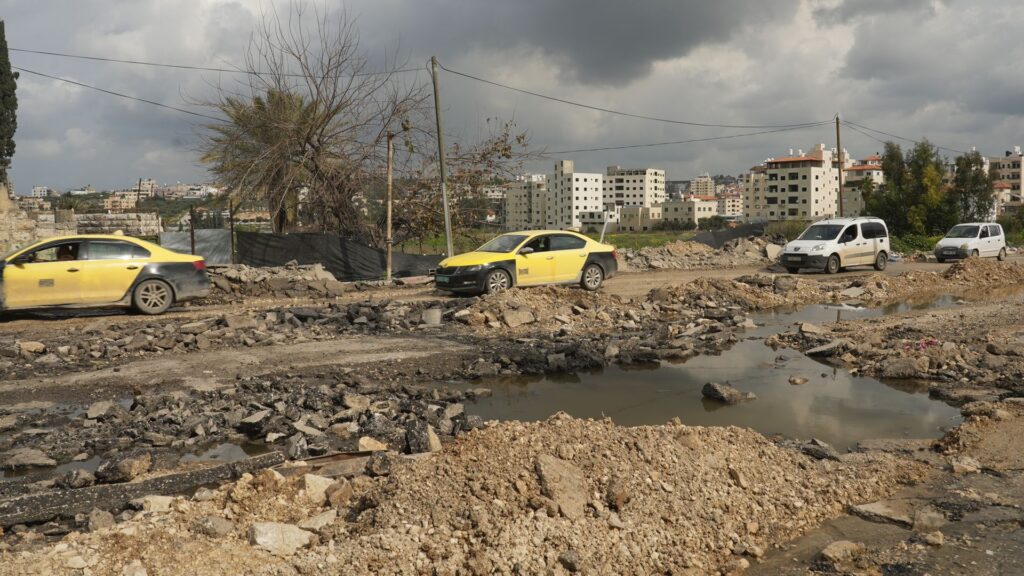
(593, 41)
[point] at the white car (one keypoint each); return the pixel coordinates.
(838, 243)
(972, 240)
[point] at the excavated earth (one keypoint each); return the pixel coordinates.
(433, 490)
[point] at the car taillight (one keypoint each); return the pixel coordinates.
(199, 264)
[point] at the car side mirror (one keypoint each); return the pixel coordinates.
(21, 260)
(526, 250)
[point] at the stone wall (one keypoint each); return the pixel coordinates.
(19, 228)
(132, 224)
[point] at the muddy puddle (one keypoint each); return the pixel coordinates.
(832, 405)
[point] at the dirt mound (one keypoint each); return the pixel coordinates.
(984, 271)
(565, 494)
(687, 255)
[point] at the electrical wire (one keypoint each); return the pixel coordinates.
(691, 141)
(197, 68)
(911, 140)
(626, 114)
(112, 93)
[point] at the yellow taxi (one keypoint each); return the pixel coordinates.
(100, 270)
(529, 258)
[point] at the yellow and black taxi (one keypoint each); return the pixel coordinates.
(100, 270)
(529, 259)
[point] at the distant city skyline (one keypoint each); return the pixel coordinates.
(881, 65)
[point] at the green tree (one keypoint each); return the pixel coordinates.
(913, 199)
(8, 107)
(712, 223)
(973, 188)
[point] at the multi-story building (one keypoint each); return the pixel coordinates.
(495, 193)
(754, 185)
(730, 204)
(703, 185)
(869, 168)
(1008, 177)
(575, 199)
(526, 203)
(40, 191)
(799, 187)
(643, 187)
(639, 218)
(692, 209)
(121, 201)
(145, 188)
(676, 189)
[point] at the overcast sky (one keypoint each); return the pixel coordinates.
(948, 70)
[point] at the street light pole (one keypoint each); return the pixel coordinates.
(441, 154)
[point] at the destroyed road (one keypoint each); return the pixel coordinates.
(370, 397)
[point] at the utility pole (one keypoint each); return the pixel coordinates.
(192, 227)
(440, 156)
(391, 162)
(231, 227)
(839, 153)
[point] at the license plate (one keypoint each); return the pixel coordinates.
(793, 258)
(441, 279)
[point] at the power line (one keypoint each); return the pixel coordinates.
(619, 112)
(198, 68)
(911, 140)
(112, 93)
(691, 141)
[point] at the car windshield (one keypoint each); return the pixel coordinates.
(821, 232)
(505, 243)
(963, 231)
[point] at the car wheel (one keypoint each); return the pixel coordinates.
(152, 297)
(1002, 254)
(497, 281)
(792, 270)
(881, 260)
(832, 265)
(975, 254)
(592, 277)
(940, 260)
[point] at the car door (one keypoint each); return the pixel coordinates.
(110, 269)
(984, 242)
(48, 276)
(537, 266)
(998, 240)
(570, 253)
(847, 246)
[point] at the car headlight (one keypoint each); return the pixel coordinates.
(818, 248)
(467, 269)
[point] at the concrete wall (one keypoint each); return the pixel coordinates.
(19, 228)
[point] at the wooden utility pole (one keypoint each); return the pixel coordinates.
(192, 227)
(231, 227)
(839, 154)
(391, 162)
(440, 155)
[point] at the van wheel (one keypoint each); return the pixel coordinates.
(975, 254)
(832, 265)
(881, 260)
(152, 297)
(792, 270)
(1002, 254)
(497, 281)
(592, 277)
(940, 260)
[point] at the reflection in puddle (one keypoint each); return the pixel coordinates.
(227, 453)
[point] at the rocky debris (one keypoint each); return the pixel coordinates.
(688, 255)
(293, 281)
(99, 520)
(278, 538)
(124, 468)
(25, 458)
(842, 551)
(726, 393)
(564, 484)
(28, 349)
(214, 526)
(934, 539)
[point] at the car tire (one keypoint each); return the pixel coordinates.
(792, 270)
(152, 297)
(592, 277)
(940, 260)
(1002, 254)
(832, 264)
(881, 260)
(497, 281)
(975, 254)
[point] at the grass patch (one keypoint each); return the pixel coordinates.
(638, 240)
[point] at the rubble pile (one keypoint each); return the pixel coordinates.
(555, 497)
(687, 255)
(291, 280)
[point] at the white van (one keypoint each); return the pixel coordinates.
(838, 243)
(974, 239)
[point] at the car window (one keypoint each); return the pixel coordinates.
(984, 232)
(849, 234)
(821, 232)
(872, 230)
(62, 252)
(567, 242)
(114, 250)
(539, 244)
(963, 231)
(995, 231)
(503, 243)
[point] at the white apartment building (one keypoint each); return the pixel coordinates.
(496, 193)
(638, 218)
(1009, 180)
(730, 205)
(526, 203)
(754, 183)
(40, 191)
(643, 187)
(575, 199)
(703, 185)
(869, 168)
(691, 209)
(798, 187)
(146, 188)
